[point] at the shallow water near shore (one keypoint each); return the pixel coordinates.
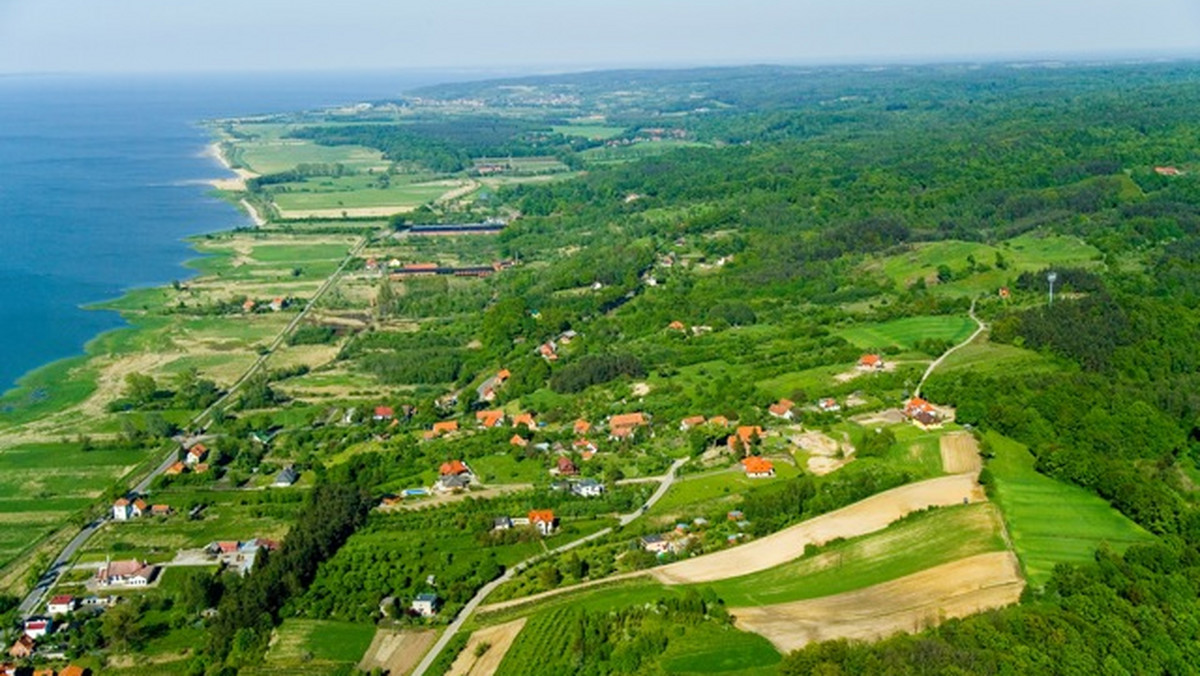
(102, 178)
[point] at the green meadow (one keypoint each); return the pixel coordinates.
(906, 332)
(1052, 522)
(276, 156)
(315, 646)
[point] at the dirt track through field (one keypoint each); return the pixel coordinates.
(500, 638)
(866, 516)
(908, 604)
(397, 652)
(960, 453)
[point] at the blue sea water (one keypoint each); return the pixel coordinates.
(102, 177)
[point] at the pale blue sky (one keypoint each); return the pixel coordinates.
(221, 35)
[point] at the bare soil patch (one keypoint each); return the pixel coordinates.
(826, 454)
(909, 604)
(397, 652)
(960, 453)
(865, 516)
(891, 416)
(499, 637)
(888, 367)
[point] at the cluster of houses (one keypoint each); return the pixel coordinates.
(541, 520)
(677, 541)
(33, 629)
(239, 557)
(193, 461)
(274, 305)
(396, 269)
(924, 414)
(132, 507)
(549, 349)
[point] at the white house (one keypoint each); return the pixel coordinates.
(37, 627)
(655, 543)
(131, 573)
(588, 488)
(122, 510)
(61, 604)
(425, 605)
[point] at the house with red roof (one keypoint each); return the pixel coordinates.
(248, 306)
(195, 454)
(503, 375)
(566, 467)
(829, 405)
(743, 439)
(160, 510)
(441, 428)
(758, 468)
(870, 362)
(543, 520)
(584, 446)
(676, 326)
(518, 441)
(582, 427)
(131, 573)
(453, 468)
(384, 413)
(22, 648)
(1168, 171)
(690, 422)
(175, 469)
(719, 420)
(782, 409)
(138, 507)
(122, 509)
(922, 413)
(625, 425)
(549, 351)
(61, 604)
(525, 419)
(488, 419)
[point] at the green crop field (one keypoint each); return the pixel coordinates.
(637, 151)
(590, 131)
(507, 469)
(42, 485)
(702, 491)
(914, 544)
(904, 333)
(1052, 522)
(273, 157)
(400, 196)
(318, 646)
(299, 253)
(985, 357)
(708, 649)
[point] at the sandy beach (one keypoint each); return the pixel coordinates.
(237, 184)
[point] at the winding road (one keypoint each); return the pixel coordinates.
(938, 362)
(666, 481)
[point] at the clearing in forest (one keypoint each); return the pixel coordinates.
(960, 453)
(911, 604)
(397, 652)
(865, 516)
(498, 639)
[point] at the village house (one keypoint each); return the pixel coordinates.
(782, 409)
(567, 336)
(487, 419)
(384, 413)
(548, 350)
(131, 573)
(690, 422)
(565, 467)
(138, 507)
(525, 419)
(518, 441)
(73, 670)
(1168, 171)
(743, 439)
(543, 520)
(277, 304)
(61, 604)
(195, 454)
(454, 476)
(122, 509)
(870, 362)
(440, 428)
(502, 375)
(286, 477)
(582, 427)
(425, 605)
(584, 446)
(248, 306)
(588, 488)
(829, 405)
(676, 326)
(160, 510)
(502, 523)
(922, 413)
(625, 425)
(758, 468)
(719, 421)
(655, 543)
(22, 648)
(175, 469)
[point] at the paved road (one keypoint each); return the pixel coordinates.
(485, 590)
(938, 362)
(34, 598)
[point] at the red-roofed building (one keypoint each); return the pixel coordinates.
(525, 419)
(543, 520)
(690, 422)
(1167, 171)
(453, 468)
(758, 468)
(196, 454)
(440, 428)
(518, 441)
(566, 467)
(175, 469)
(676, 326)
(870, 362)
(61, 604)
(384, 413)
(503, 375)
(719, 420)
(582, 427)
(22, 648)
(782, 409)
(487, 419)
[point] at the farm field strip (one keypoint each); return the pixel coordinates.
(909, 604)
(498, 638)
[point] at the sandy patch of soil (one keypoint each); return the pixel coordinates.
(641, 389)
(891, 416)
(855, 372)
(909, 604)
(865, 516)
(960, 453)
(825, 453)
(397, 652)
(500, 637)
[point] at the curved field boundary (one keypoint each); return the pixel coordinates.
(866, 516)
(498, 638)
(909, 604)
(960, 453)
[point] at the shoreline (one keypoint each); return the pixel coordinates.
(237, 184)
(29, 383)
